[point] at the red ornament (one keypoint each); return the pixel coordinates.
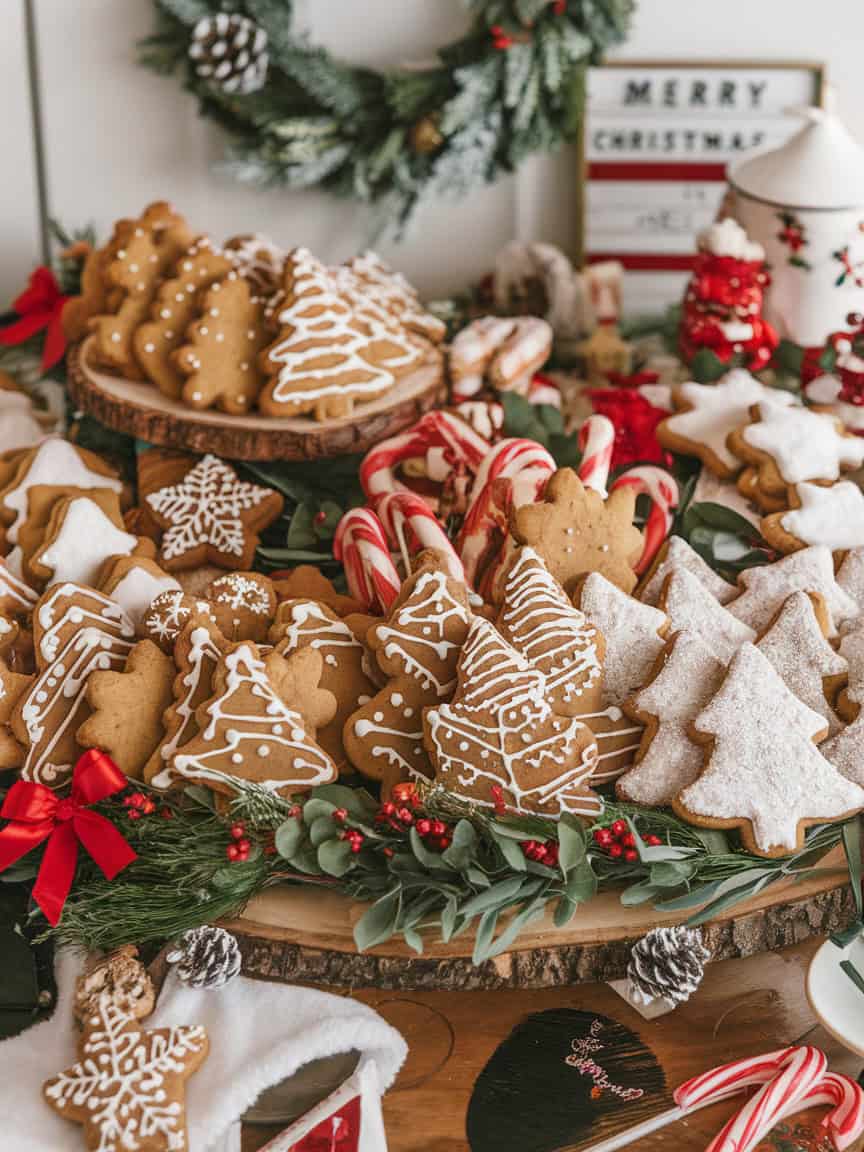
(37, 814)
(635, 420)
(559, 7)
(40, 306)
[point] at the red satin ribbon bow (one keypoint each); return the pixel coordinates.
(40, 306)
(35, 814)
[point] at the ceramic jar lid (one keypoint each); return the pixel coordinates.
(820, 167)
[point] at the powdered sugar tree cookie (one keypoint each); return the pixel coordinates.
(850, 576)
(417, 650)
(212, 516)
(765, 589)
(76, 631)
(689, 604)
(325, 358)
(248, 731)
(833, 516)
(790, 444)
(500, 732)
(634, 637)
(687, 676)
(799, 652)
(851, 699)
(707, 413)
(763, 772)
(307, 624)
(127, 1089)
(846, 751)
(218, 356)
(677, 553)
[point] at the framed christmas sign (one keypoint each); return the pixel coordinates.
(658, 138)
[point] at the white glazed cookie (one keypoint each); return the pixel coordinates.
(832, 516)
(634, 635)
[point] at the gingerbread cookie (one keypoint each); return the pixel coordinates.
(244, 604)
(19, 426)
(219, 356)
(850, 576)
(763, 590)
(212, 515)
(677, 553)
(257, 259)
(682, 682)
(767, 502)
(499, 732)
(763, 772)
(76, 631)
(397, 296)
(832, 516)
(797, 649)
(127, 1089)
(790, 444)
(17, 598)
(177, 303)
(134, 582)
(247, 730)
(307, 624)
(82, 533)
(54, 462)
(122, 978)
(707, 413)
(127, 708)
(506, 351)
(689, 604)
(42, 499)
(326, 359)
(309, 583)
(416, 649)
(12, 687)
(576, 531)
(169, 613)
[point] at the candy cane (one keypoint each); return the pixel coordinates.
(845, 1121)
(527, 465)
(444, 439)
(361, 546)
(727, 1079)
(662, 489)
(399, 511)
(596, 442)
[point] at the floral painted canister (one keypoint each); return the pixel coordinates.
(804, 203)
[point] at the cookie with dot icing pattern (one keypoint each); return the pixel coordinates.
(244, 604)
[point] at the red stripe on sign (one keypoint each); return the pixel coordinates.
(646, 261)
(626, 170)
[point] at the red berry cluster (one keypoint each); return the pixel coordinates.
(435, 834)
(500, 40)
(618, 842)
(138, 805)
(238, 850)
(354, 836)
(540, 852)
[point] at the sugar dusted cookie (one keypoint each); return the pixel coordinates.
(789, 445)
(689, 604)
(685, 678)
(833, 516)
(707, 413)
(846, 751)
(797, 649)
(244, 604)
(218, 357)
(851, 699)
(247, 730)
(850, 575)
(212, 515)
(499, 731)
(134, 582)
(576, 531)
(677, 553)
(764, 589)
(177, 303)
(127, 708)
(763, 772)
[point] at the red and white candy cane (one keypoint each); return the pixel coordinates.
(361, 546)
(596, 442)
(411, 526)
(661, 488)
(845, 1121)
(527, 465)
(445, 441)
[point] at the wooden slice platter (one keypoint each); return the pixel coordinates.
(139, 409)
(304, 934)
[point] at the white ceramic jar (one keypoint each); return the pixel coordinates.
(804, 203)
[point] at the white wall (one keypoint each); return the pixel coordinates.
(117, 136)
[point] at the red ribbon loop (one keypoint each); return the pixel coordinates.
(40, 306)
(36, 814)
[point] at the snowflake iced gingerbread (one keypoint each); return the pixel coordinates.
(212, 516)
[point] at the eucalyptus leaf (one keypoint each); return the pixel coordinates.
(378, 922)
(639, 893)
(671, 873)
(572, 844)
(429, 859)
(289, 836)
(484, 935)
(514, 926)
(492, 897)
(413, 939)
(512, 853)
(335, 857)
(706, 892)
(306, 860)
(200, 795)
(581, 883)
(564, 912)
(448, 918)
(852, 847)
(313, 809)
(324, 828)
(356, 801)
(721, 903)
(462, 846)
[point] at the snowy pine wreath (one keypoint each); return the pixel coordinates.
(513, 85)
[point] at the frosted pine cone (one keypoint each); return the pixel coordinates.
(667, 964)
(230, 51)
(206, 957)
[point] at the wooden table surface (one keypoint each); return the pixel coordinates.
(743, 1007)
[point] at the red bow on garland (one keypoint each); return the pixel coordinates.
(35, 814)
(635, 420)
(40, 306)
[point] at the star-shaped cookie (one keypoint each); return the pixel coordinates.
(833, 516)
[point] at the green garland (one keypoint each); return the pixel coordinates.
(479, 875)
(513, 85)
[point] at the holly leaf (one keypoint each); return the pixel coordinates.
(301, 530)
(706, 366)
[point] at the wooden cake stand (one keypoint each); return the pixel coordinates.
(304, 934)
(139, 409)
